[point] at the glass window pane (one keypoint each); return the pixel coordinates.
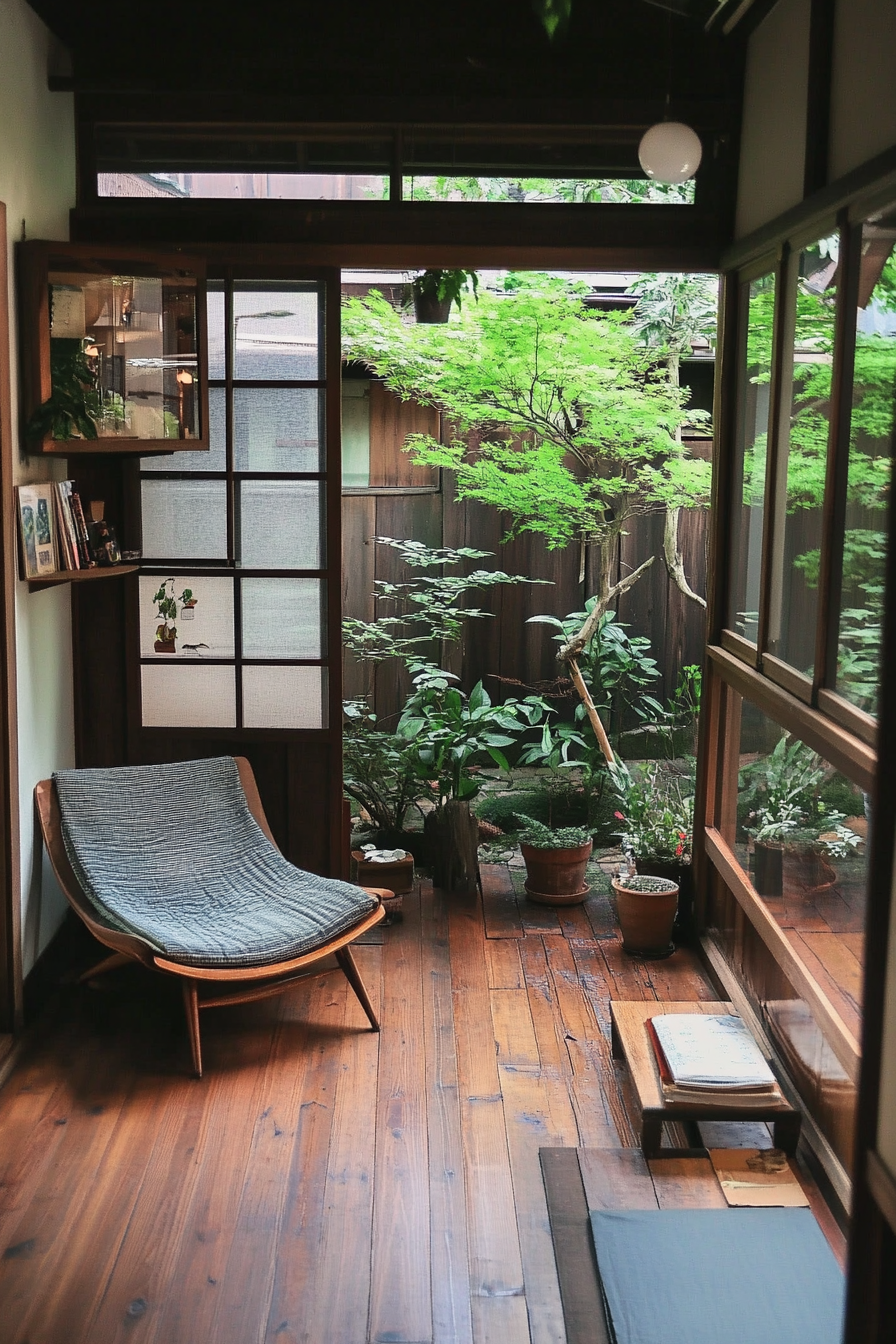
(278, 429)
(281, 524)
(184, 520)
(802, 456)
(215, 319)
(282, 618)
(216, 457)
(186, 617)
(752, 440)
(275, 332)
(868, 485)
(188, 696)
(284, 697)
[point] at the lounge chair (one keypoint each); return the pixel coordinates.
(175, 866)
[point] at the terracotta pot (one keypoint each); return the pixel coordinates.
(165, 646)
(684, 929)
(646, 919)
(557, 876)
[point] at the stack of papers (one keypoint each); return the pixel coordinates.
(709, 1059)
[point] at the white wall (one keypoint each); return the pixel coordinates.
(37, 183)
(863, 87)
(773, 135)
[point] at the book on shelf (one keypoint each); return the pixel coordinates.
(709, 1060)
(68, 550)
(85, 551)
(37, 529)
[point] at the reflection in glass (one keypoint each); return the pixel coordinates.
(868, 484)
(280, 524)
(800, 832)
(184, 695)
(752, 439)
(124, 356)
(200, 623)
(284, 697)
(275, 332)
(282, 618)
(216, 457)
(820, 1078)
(802, 455)
(355, 433)
(184, 520)
(277, 429)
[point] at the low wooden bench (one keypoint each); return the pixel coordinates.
(630, 1043)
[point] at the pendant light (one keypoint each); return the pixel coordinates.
(670, 151)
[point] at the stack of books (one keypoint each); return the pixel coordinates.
(710, 1061)
(75, 550)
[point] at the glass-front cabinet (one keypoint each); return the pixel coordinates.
(114, 350)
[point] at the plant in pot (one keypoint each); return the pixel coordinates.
(166, 604)
(657, 816)
(448, 735)
(379, 772)
(790, 825)
(556, 859)
(434, 292)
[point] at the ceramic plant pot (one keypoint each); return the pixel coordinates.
(556, 876)
(646, 916)
(430, 310)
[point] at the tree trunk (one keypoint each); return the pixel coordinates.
(453, 834)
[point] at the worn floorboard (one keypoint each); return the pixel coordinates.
(325, 1184)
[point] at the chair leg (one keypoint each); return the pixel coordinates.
(353, 975)
(107, 964)
(191, 1008)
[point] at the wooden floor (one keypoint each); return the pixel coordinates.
(321, 1183)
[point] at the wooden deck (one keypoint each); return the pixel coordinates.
(322, 1183)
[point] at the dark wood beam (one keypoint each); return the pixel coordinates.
(818, 105)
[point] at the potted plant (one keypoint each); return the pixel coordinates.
(434, 291)
(657, 820)
(556, 859)
(646, 907)
(166, 604)
(789, 822)
(448, 734)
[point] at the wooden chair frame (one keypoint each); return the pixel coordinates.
(247, 982)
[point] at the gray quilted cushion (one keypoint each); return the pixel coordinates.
(172, 853)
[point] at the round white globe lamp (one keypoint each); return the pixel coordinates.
(670, 152)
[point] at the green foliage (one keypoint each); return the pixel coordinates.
(569, 190)
(554, 16)
(74, 406)
(784, 800)
(617, 667)
(448, 733)
(656, 810)
(427, 607)
(537, 835)
(674, 310)
(379, 770)
(574, 425)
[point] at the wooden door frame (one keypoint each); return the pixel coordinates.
(11, 978)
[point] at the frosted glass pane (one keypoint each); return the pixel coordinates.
(188, 696)
(184, 520)
(275, 332)
(283, 697)
(282, 618)
(203, 623)
(215, 311)
(216, 457)
(280, 524)
(278, 429)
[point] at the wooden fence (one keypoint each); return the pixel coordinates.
(503, 649)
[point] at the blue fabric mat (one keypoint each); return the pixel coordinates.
(172, 853)
(718, 1276)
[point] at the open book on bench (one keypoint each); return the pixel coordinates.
(709, 1060)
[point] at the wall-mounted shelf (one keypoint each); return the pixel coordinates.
(80, 576)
